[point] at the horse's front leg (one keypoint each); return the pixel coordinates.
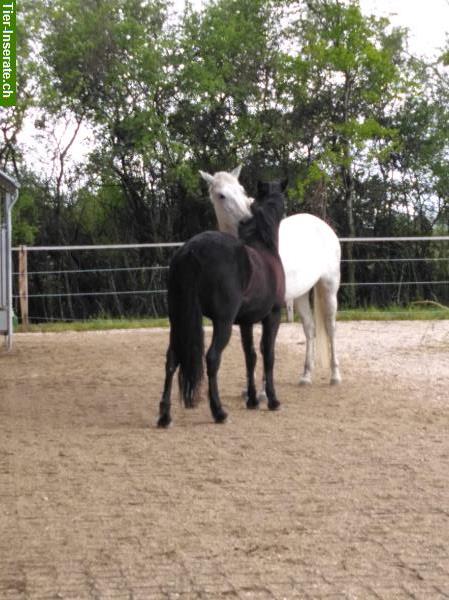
(171, 364)
(220, 337)
(246, 332)
(270, 326)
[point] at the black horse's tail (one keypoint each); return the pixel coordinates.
(186, 325)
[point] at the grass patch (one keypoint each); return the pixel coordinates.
(419, 311)
(94, 325)
(393, 314)
(425, 310)
(414, 312)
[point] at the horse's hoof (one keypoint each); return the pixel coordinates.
(335, 380)
(274, 405)
(252, 404)
(164, 421)
(221, 417)
(262, 397)
(305, 381)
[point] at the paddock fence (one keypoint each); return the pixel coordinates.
(77, 283)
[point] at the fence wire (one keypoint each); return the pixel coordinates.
(76, 283)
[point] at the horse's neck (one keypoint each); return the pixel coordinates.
(227, 226)
(230, 216)
(259, 246)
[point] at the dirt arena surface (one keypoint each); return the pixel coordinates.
(344, 493)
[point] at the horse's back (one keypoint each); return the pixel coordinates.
(233, 280)
(217, 264)
(216, 254)
(310, 250)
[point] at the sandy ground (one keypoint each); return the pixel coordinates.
(344, 493)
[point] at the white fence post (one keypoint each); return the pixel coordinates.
(23, 285)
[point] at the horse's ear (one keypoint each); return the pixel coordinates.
(206, 176)
(284, 184)
(236, 171)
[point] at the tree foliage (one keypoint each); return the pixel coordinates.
(313, 90)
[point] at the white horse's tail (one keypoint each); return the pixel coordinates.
(322, 342)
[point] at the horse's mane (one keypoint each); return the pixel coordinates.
(263, 225)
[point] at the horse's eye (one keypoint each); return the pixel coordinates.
(221, 196)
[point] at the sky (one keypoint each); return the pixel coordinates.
(427, 20)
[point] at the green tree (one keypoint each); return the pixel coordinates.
(12, 119)
(108, 64)
(345, 78)
(311, 89)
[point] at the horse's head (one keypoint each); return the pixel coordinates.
(230, 201)
(272, 192)
(267, 213)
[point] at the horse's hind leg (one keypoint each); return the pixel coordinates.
(303, 307)
(270, 326)
(246, 332)
(328, 292)
(220, 337)
(171, 365)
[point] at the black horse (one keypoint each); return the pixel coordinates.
(230, 281)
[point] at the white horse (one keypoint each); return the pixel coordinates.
(310, 253)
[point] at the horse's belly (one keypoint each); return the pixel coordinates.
(254, 312)
(259, 301)
(309, 250)
(298, 282)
